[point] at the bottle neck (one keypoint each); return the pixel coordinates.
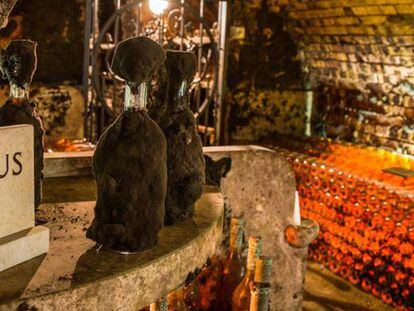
(18, 93)
(236, 239)
(249, 275)
(136, 101)
(161, 305)
(255, 250)
(180, 97)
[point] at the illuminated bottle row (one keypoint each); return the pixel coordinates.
(366, 217)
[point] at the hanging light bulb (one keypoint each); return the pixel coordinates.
(158, 6)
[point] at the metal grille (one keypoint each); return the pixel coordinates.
(179, 27)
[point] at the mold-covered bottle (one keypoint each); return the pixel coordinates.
(186, 167)
(233, 269)
(160, 305)
(241, 295)
(259, 298)
(130, 161)
(18, 63)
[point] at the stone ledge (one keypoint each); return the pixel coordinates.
(75, 275)
(267, 205)
(66, 164)
(23, 246)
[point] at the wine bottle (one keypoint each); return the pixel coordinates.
(18, 64)
(160, 305)
(186, 167)
(241, 295)
(259, 297)
(260, 290)
(176, 301)
(263, 272)
(190, 293)
(207, 284)
(130, 160)
(233, 270)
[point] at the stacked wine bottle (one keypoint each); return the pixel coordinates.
(366, 217)
(225, 283)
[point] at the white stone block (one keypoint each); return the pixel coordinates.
(23, 246)
(16, 179)
(20, 241)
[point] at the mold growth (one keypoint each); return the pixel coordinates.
(130, 161)
(185, 151)
(18, 64)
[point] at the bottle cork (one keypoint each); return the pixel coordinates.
(236, 233)
(263, 272)
(259, 300)
(255, 250)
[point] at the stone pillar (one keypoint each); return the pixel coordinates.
(261, 186)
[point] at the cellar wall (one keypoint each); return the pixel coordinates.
(266, 90)
(362, 52)
(58, 28)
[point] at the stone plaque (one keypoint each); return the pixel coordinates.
(16, 179)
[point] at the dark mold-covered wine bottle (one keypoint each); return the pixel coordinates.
(18, 63)
(186, 168)
(130, 161)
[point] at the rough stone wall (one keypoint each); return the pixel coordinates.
(264, 114)
(264, 74)
(364, 46)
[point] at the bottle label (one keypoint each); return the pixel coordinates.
(136, 101)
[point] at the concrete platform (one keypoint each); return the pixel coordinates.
(75, 275)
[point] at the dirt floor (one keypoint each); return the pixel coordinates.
(324, 291)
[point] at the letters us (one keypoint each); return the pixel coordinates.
(11, 164)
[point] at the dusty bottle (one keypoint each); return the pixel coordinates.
(233, 270)
(190, 293)
(130, 160)
(18, 65)
(259, 297)
(160, 305)
(260, 291)
(185, 160)
(207, 284)
(175, 301)
(241, 295)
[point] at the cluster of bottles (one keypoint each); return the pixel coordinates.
(225, 283)
(378, 159)
(366, 224)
